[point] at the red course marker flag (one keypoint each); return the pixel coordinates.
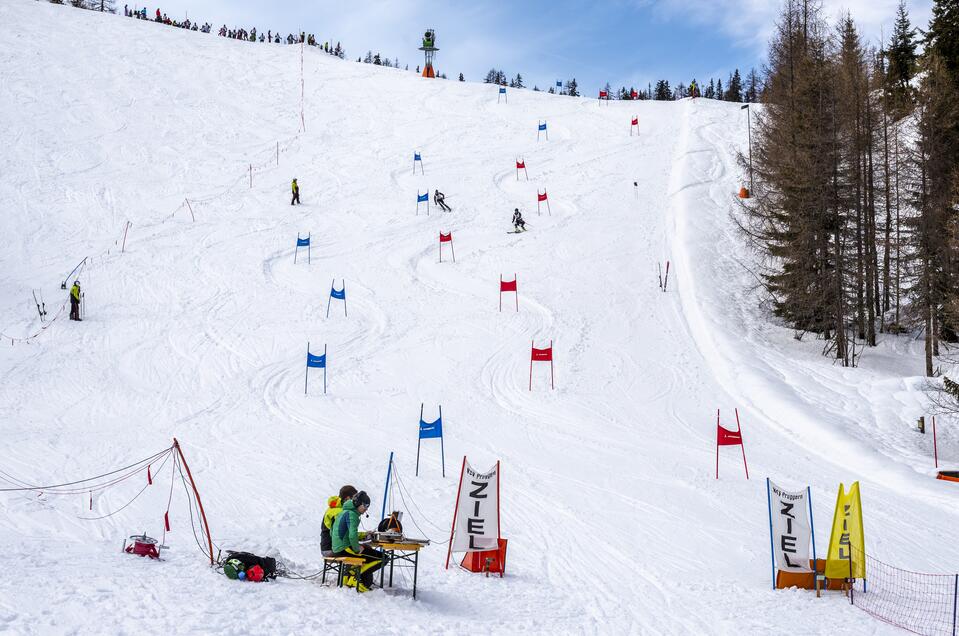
(726, 437)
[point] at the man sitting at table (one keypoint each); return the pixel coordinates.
(346, 541)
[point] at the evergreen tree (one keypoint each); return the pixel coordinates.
(902, 59)
(461, 78)
(663, 92)
(734, 92)
(339, 52)
(518, 82)
(369, 57)
(376, 60)
(719, 89)
(942, 38)
(751, 95)
(572, 89)
(535, 88)
(490, 77)
(551, 91)
(710, 92)
(934, 197)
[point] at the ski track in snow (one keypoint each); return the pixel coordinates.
(615, 522)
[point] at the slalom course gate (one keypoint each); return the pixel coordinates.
(431, 430)
(502, 95)
(316, 362)
(542, 129)
(447, 238)
(726, 437)
(634, 124)
(302, 242)
(604, 97)
(540, 198)
(339, 294)
(417, 157)
(507, 286)
(423, 198)
(521, 165)
(472, 528)
(541, 355)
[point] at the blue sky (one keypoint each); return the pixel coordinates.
(623, 42)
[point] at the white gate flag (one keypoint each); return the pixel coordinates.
(477, 515)
(790, 526)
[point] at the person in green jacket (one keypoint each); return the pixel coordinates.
(346, 541)
(335, 507)
(75, 301)
(296, 192)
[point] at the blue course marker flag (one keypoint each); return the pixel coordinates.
(339, 294)
(559, 84)
(502, 90)
(423, 198)
(542, 126)
(431, 430)
(316, 362)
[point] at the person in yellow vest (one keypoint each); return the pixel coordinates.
(75, 301)
(296, 193)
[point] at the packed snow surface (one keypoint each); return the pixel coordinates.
(199, 329)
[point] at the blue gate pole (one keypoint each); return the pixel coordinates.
(325, 364)
(442, 452)
(419, 440)
(772, 554)
(386, 490)
(306, 382)
(812, 529)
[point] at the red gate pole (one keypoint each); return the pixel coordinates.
(552, 383)
(196, 492)
(531, 347)
(935, 446)
(717, 443)
(515, 292)
(742, 443)
(501, 293)
(449, 550)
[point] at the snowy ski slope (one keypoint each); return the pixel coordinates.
(616, 524)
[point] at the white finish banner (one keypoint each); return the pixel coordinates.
(790, 528)
(477, 515)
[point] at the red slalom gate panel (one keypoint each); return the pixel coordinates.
(541, 197)
(521, 165)
(507, 286)
(447, 238)
(726, 437)
(635, 121)
(541, 355)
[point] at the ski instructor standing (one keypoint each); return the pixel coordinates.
(75, 301)
(296, 193)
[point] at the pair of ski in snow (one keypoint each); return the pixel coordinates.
(41, 306)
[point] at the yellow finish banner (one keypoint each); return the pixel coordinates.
(847, 544)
